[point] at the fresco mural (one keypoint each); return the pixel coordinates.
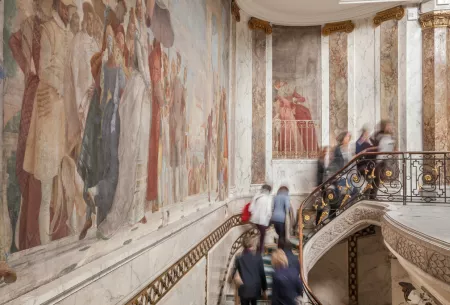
(296, 91)
(110, 111)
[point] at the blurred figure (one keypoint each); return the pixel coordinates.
(287, 286)
(342, 154)
(261, 210)
(362, 145)
(249, 275)
(385, 144)
(322, 166)
(280, 212)
(293, 261)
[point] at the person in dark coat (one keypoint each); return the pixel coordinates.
(250, 268)
(293, 261)
(286, 287)
(322, 166)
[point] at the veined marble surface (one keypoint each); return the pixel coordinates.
(109, 272)
(191, 289)
(300, 175)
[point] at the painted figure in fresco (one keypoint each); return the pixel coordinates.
(208, 145)
(25, 47)
(176, 122)
(135, 110)
(84, 46)
(129, 41)
(165, 183)
(157, 102)
(308, 133)
(75, 23)
(46, 144)
(288, 136)
(101, 139)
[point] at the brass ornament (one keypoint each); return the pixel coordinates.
(437, 19)
(428, 178)
(396, 13)
(388, 173)
(307, 217)
(330, 196)
(235, 11)
(355, 179)
(335, 27)
(255, 23)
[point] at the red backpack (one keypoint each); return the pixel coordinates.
(245, 217)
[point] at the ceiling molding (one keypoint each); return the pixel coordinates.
(255, 23)
(286, 12)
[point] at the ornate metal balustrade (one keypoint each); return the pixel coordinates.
(158, 288)
(295, 139)
(404, 177)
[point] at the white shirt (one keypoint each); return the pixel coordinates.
(261, 209)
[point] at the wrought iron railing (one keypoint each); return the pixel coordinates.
(419, 177)
(295, 139)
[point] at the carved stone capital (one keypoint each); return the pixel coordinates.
(397, 13)
(255, 23)
(437, 19)
(235, 11)
(344, 26)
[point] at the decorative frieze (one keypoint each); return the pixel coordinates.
(344, 26)
(255, 23)
(397, 13)
(235, 11)
(437, 19)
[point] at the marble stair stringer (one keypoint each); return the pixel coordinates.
(351, 220)
(426, 259)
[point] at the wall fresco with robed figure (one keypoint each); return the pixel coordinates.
(112, 109)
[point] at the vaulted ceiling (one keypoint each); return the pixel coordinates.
(314, 12)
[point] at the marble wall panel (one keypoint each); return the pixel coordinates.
(428, 77)
(435, 122)
(299, 175)
(328, 279)
(243, 105)
(389, 72)
(190, 290)
(338, 77)
(365, 81)
(269, 107)
(258, 107)
(217, 262)
(374, 270)
(325, 54)
(232, 117)
(398, 274)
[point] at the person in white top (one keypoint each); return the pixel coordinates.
(261, 212)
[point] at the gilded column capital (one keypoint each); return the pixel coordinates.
(344, 26)
(435, 19)
(255, 23)
(235, 11)
(397, 13)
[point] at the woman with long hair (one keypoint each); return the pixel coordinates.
(281, 205)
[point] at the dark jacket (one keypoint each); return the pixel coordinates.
(320, 171)
(251, 269)
(286, 287)
(293, 260)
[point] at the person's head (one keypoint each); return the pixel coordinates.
(365, 133)
(88, 23)
(249, 243)
(75, 23)
(63, 8)
(279, 259)
(343, 138)
(283, 189)
(266, 188)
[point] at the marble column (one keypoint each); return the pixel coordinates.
(325, 111)
(410, 82)
(338, 85)
(243, 105)
(258, 107)
(232, 108)
(435, 76)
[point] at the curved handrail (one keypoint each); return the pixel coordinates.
(426, 172)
